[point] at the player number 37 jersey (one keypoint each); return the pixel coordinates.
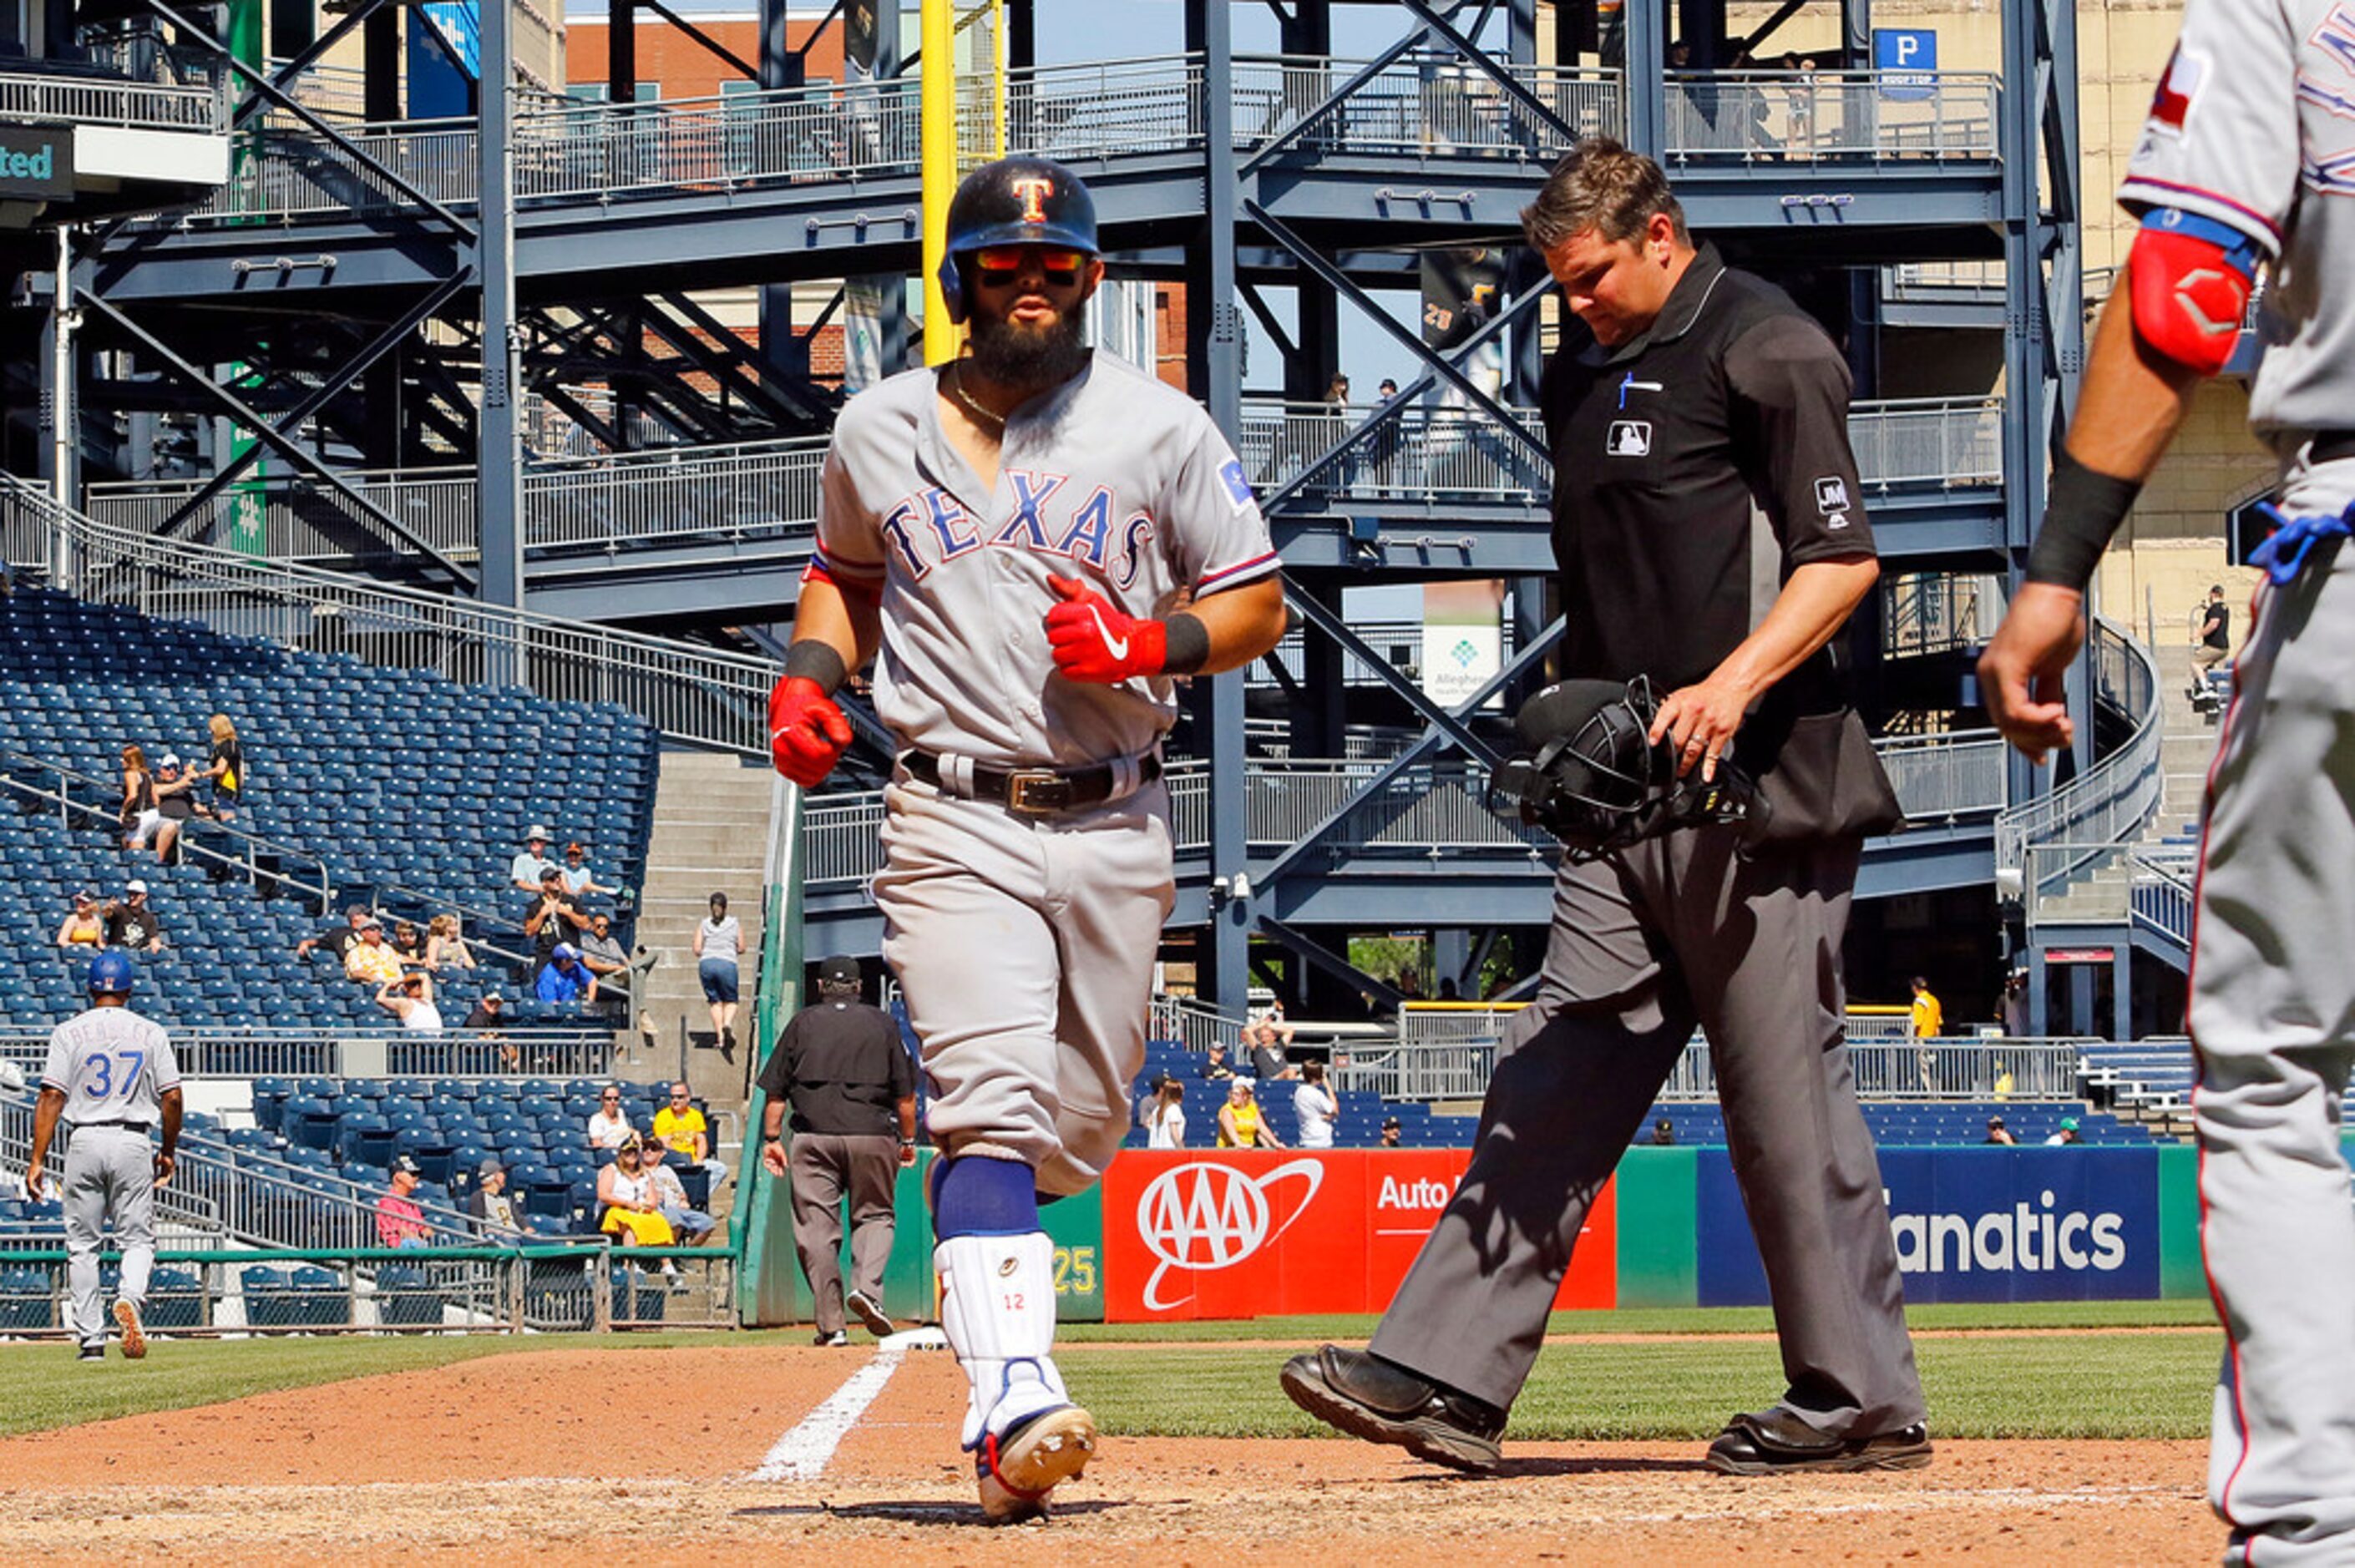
(1111, 478)
(112, 1065)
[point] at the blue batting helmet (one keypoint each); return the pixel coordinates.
(1015, 201)
(111, 973)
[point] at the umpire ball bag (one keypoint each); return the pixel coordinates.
(1590, 775)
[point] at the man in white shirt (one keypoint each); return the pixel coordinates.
(525, 870)
(1317, 1106)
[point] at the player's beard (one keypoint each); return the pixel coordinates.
(1015, 355)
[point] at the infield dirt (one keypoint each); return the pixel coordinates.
(562, 1454)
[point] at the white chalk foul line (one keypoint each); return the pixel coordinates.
(801, 1455)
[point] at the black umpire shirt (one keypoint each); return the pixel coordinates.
(1696, 466)
(846, 1069)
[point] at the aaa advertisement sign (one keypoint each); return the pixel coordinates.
(1235, 1233)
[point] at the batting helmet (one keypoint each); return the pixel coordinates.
(1593, 779)
(111, 974)
(1014, 201)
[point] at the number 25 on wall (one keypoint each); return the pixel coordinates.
(1075, 1271)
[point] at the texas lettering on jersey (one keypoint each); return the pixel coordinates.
(933, 526)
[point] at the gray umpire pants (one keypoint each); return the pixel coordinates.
(825, 1166)
(110, 1171)
(2272, 1026)
(1676, 930)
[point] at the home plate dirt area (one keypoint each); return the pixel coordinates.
(569, 1452)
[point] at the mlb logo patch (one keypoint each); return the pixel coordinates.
(1239, 490)
(1832, 494)
(1629, 437)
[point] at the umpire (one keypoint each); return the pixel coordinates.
(853, 1090)
(1707, 536)
(112, 1076)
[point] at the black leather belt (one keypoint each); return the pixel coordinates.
(141, 1128)
(1037, 791)
(2330, 446)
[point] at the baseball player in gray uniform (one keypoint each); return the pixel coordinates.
(111, 1075)
(1035, 538)
(2248, 157)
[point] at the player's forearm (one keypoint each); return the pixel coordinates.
(851, 626)
(907, 1108)
(1813, 606)
(2133, 399)
(46, 1111)
(171, 1106)
(1241, 623)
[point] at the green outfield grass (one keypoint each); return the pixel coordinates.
(1194, 1380)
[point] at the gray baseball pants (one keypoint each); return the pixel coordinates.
(1645, 943)
(110, 1170)
(2272, 1026)
(1024, 947)
(823, 1167)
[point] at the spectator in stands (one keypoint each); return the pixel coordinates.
(578, 880)
(1271, 1028)
(1664, 1133)
(1241, 1123)
(565, 978)
(85, 931)
(132, 922)
(606, 958)
(138, 810)
(2002, 1083)
(1392, 1133)
(2015, 1004)
(1214, 1065)
(554, 919)
(1267, 1063)
(690, 1224)
(626, 1201)
(489, 1202)
(1317, 1106)
(680, 1128)
(1998, 1133)
(609, 1126)
(445, 947)
(398, 1221)
(1165, 1122)
(409, 943)
(1150, 1100)
(718, 942)
(1928, 1018)
(2068, 1133)
(490, 1017)
(225, 768)
(175, 803)
(525, 870)
(336, 940)
(371, 961)
(410, 999)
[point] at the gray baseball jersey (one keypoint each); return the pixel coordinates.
(113, 1068)
(2254, 126)
(1111, 478)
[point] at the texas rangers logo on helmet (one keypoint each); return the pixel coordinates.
(1034, 190)
(1200, 1217)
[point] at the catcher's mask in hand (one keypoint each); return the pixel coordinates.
(1590, 775)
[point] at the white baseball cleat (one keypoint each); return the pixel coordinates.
(135, 1338)
(1018, 1471)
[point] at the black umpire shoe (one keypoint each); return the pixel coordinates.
(1776, 1441)
(1381, 1401)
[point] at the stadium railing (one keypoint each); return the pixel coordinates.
(2111, 803)
(227, 1052)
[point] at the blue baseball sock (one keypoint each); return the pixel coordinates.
(978, 1196)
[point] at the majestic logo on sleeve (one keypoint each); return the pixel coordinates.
(1034, 190)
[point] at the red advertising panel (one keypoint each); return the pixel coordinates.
(1237, 1234)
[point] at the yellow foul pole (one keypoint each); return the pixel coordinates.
(940, 107)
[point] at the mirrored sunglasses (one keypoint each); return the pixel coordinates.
(999, 263)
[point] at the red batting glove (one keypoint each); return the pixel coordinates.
(1093, 641)
(807, 734)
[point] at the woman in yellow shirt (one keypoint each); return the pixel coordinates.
(1241, 1125)
(83, 928)
(627, 1192)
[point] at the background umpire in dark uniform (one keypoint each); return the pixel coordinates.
(1708, 538)
(852, 1087)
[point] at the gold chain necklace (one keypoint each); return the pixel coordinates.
(995, 423)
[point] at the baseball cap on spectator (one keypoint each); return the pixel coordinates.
(490, 1167)
(1389, 1122)
(838, 968)
(494, 995)
(404, 1163)
(1994, 1121)
(2068, 1124)
(86, 895)
(575, 847)
(134, 885)
(372, 924)
(171, 759)
(565, 951)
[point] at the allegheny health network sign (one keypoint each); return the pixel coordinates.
(36, 162)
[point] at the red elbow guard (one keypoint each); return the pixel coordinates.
(2190, 297)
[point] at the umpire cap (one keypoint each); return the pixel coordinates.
(1014, 201)
(111, 974)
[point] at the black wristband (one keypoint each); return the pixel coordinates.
(1185, 644)
(2081, 510)
(814, 660)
